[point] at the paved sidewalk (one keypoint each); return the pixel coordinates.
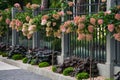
(9, 72)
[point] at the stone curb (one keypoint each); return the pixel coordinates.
(41, 71)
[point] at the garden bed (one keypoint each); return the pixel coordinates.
(46, 71)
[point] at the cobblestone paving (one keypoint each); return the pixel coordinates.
(18, 74)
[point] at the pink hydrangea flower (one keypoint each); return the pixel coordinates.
(76, 20)
(92, 21)
(29, 35)
(31, 32)
(62, 28)
(107, 12)
(90, 28)
(48, 23)
(18, 23)
(69, 12)
(56, 16)
(117, 36)
(28, 5)
(12, 24)
(61, 13)
(103, 0)
(70, 3)
(68, 30)
(111, 27)
(57, 34)
(45, 17)
(34, 6)
(28, 18)
(32, 28)
(17, 5)
(82, 18)
(67, 23)
(117, 16)
(81, 26)
(7, 21)
(81, 36)
(49, 29)
(100, 21)
(24, 29)
(43, 22)
(31, 21)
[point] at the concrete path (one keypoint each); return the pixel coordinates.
(9, 72)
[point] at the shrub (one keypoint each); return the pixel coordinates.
(33, 62)
(0, 53)
(4, 54)
(44, 64)
(54, 68)
(17, 57)
(109, 79)
(82, 75)
(25, 60)
(67, 71)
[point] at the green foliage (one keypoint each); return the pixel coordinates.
(67, 71)
(22, 16)
(36, 21)
(44, 64)
(109, 79)
(54, 68)
(1, 53)
(3, 5)
(33, 62)
(82, 75)
(25, 60)
(12, 2)
(4, 54)
(17, 57)
(36, 1)
(55, 3)
(4, 14)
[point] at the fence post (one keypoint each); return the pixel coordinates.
(110, 56)
(64, 48)
(110, 48)
(36, 38)
(64, 45)
(15, 38)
